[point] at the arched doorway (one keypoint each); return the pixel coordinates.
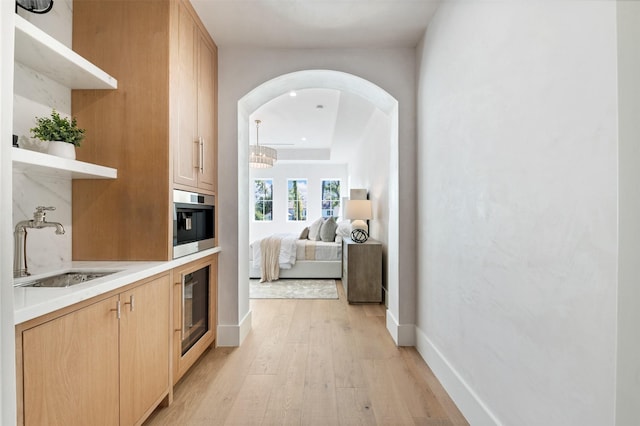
(330, 80)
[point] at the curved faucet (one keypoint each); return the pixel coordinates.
(20, 238)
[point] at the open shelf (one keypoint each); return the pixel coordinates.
(46, 55)
(25, 160)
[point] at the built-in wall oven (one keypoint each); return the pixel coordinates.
(193, 222)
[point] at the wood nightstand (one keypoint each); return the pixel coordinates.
(362, 271)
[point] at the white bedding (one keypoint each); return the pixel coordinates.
(292, 249)
(287, 256)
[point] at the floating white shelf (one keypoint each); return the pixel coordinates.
(25, 160)
(46, 55)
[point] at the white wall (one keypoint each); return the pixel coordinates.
(242, 70)
(280, 173)
(7, 328)
(517, 117)
(369, 168)
(628, 350)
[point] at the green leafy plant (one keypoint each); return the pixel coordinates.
(58, 128)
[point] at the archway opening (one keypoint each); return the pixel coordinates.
(323, 79)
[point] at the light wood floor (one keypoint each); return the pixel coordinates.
(311, 362)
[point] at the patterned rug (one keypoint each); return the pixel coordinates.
(293, 289)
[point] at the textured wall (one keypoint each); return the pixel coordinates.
(517, 119)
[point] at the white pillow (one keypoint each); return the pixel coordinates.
(314, 229)
(344, 228)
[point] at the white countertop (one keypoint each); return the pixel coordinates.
(32, 302)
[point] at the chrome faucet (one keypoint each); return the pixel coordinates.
(20, 238)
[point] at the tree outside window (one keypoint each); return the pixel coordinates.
(297, 205)
(263, 200)
(331, 198)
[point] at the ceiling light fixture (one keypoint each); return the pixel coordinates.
(261, 157)
(293, 94)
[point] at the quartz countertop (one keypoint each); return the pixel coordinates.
(32, 302)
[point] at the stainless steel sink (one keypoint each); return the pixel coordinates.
(67, 279)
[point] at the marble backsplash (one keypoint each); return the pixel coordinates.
(46, 250)
(34, 96)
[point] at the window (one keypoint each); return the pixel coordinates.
(297, 206)
(263, 199)
(331, 198)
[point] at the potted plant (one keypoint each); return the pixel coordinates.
(63, 134)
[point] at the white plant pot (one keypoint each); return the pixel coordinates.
(62, 149)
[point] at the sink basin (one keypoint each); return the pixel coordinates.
(67, 279)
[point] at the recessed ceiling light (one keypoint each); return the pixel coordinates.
(319, 106)
(303, 138)
(293, 94)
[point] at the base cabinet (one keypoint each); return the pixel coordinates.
(183, 306)
(89, 367)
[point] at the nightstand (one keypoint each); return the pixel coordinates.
(362, 271)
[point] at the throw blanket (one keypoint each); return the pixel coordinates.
(285, 256)
(270, 253)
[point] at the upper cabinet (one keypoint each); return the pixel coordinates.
(140, 126)
(194, 148)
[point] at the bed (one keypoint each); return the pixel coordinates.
(315, 253)
(300, 258)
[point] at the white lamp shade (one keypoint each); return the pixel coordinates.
(358, 209)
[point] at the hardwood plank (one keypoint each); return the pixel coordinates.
(420, 369)
(420, 400)
(329, 363)
(285, 402)
(301, 322)
(387, 404)
(354, 407)
(251, 403)
(319, 398)
(267, 360)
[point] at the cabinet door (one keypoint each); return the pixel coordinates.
(70, 368)
(144, 349)
(207, 114)
(186, 149)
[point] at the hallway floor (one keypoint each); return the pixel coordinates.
(311, 362)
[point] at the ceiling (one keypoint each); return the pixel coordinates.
(317, 124)
(316, 23)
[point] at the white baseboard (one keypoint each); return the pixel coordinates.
(467, 401)
(234, 335)
(402, 334)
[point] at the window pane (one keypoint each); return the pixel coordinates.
(330, 198)
(297, 199)
(263, 199)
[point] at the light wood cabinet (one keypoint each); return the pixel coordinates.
(182, 362)
(149, 129)
(195, 148)
(70, 368)
(144, 349)
(84, 366)
(362, 271)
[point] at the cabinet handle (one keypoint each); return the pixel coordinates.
(117, 309)
(196, 162)
(131, 303)
(201, 155)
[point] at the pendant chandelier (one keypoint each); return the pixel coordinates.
(261, 157)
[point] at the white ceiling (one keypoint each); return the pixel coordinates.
(328, 131)
(315, 124)
(315, 23)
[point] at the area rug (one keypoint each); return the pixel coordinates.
(293, 289)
